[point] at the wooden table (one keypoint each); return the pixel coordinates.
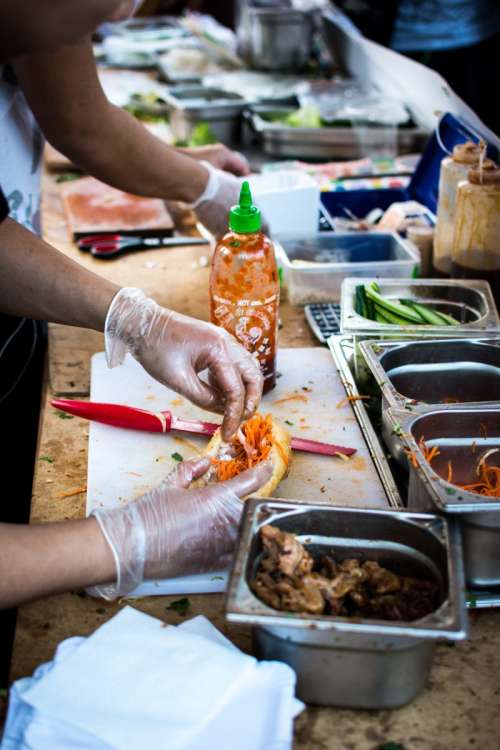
(459, 710)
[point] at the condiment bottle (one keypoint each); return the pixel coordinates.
(454, 169)
(244, 285)
(476, 240)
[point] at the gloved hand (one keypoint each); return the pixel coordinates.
(221, 157)
(174, 349)
(173, 531)
(221, 193)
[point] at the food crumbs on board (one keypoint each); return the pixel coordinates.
(63, 415)
(70, 493)
(306, 389)
(134, 474)
(294, 397)
(181, 606)
(342, 456)
(322, 488)
(177, 456)
(48, 459)
(177, 401)
(287, 421)
(351, 400)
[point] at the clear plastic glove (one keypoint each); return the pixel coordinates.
(221, 157)
(221, 193)
(174, 531)
(175, 349)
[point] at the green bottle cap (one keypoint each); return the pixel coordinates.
(245, 217)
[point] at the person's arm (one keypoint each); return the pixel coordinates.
(67, 99)
(38, 281)
(43, 559)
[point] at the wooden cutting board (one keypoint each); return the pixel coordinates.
(123, 464)
(92, 207)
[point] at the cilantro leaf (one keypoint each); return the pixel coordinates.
(177, 457)
(181, 606)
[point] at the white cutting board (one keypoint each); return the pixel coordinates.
(123, 464)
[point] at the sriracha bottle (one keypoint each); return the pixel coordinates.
(244, 285)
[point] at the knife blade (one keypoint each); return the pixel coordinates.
(132, 418)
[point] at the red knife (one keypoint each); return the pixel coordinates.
(132, 418)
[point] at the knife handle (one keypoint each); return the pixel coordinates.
(117, 415)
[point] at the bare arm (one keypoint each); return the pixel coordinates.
(65, 94)
(43, 559)
(38, 281)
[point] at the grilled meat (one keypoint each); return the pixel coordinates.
(290, 579)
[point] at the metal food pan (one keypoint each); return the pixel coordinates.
(422, 374)
(357, 663)
(315, 266)
(470, 302)
(462, 436)
(329, 142)
(221, 110)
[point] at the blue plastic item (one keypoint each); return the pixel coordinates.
(424, 183)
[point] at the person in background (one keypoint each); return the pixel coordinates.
(171, 530)
(460, 39)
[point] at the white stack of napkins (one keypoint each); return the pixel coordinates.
(136, 683)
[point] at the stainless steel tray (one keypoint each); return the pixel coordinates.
(342, 350)
(342, 661)
(327, 143)
(419, 375)
(191, 104)
(462, 435)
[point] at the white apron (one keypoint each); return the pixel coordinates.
(21, 146)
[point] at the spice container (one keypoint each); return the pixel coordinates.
(356, 663)
(454, 169)
(476, 242)
(463, 438)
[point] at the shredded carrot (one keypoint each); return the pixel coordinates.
(250, 447)
(412, 457)
(488, 483)
(77, 491)
(296, 397)
(351, 400)
(429, 453)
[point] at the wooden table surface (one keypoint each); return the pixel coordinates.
(459, 710)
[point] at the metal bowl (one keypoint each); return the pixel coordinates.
(462, 436)
(357, 663)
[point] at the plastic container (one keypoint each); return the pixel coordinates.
(288, 199)
(423, 186)
(454, 169)
(244, 286)
(476, 243)
(315, 266)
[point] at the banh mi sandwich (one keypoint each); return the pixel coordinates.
(258, 439)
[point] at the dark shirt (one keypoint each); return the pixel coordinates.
(4, 208)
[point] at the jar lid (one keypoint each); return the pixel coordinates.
(469, 152)
(488, 174)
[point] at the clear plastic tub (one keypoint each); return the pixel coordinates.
(315, 266)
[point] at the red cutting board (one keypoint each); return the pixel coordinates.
(92, 207)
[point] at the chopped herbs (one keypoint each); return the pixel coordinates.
(63, 415)
(68, 177)
(46, 458)
(177, 456)
(181, 606)
(391, 746)
(287, 421)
